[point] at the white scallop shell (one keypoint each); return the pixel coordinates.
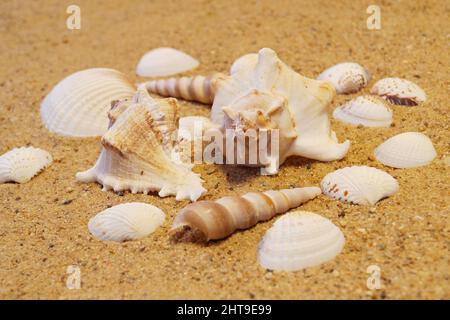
(299, 240)
(127, 221)
(78, 105)
(359, 184)
(346, 77)
(163, 62)
(399, 91)
(22, 164)
(406, 150)
(369, 111)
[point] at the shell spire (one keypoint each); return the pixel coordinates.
(212, 220)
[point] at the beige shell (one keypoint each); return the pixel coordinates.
(212, 220)
(299, 240)
(138, 153)
(399, 91)
(78, 105)
(346, 77)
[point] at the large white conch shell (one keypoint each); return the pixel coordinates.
(138, 153)
(78, 105)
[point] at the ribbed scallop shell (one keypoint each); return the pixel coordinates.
(359, 184)
(78, 105)
(369, 111)
(299, 240)
(128, 221)
(22, 164)
(346, 77)
(399, 91)
(406, 150)
(163, 62)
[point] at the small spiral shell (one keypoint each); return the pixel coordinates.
(212, 220)
(196, 88)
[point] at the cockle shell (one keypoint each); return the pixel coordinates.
(299, 240)
(127, 221)
(406, 150)
(369, 111)
(78, 105)
(399, 91)
(346, 77)
(139, 154)
(22, 164)
(211, 220)
(359, 184)
(162, 62)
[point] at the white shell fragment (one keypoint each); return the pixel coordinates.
(22, 164)
(128, 221)
(300, 240)
(78, 105)
(346, 77)
(369, 111)
(399, 91)
(406, 150)
(359, 184)
(244, 62)
(163, 62)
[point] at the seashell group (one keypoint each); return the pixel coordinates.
(212, 220)
(406, 150)
(22, 164)
(78, 105)
(346, 77)
(163, 62)
(299, 240)
(359, 184)
(399, 91)
(369, 111)
(128, 221)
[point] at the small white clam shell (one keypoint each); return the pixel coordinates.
(369, 111)
(359, 184)
(399, 91)
(244, 62)
(161, 62)
(22, 164)
(406, 150)
(299, 240)
(127, 221)
(346, 77)
(78, 105)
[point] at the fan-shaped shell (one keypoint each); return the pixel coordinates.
(359, 184)
(299, 240)
(163, 62)
(78, 105)
(399, 91)
(346, 77)
(406, 150)
(22, 164)
(128, 221)
(369, 111)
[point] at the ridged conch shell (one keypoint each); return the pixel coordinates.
(299, 240)
(399, 91)
(406, 150)
(22, 164)
(359, 184)
(127, 221)
(78, 105)
(346, 77)
(369, 111)
(212, 220)
(138, 152)
(163, 62)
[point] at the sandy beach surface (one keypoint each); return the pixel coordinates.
(43, 223)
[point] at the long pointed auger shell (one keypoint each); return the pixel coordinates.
(138, 153)
(399, 91)
(22, 164)
(346, 77)
(78, 105)
(212, 220)
(299, 240)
